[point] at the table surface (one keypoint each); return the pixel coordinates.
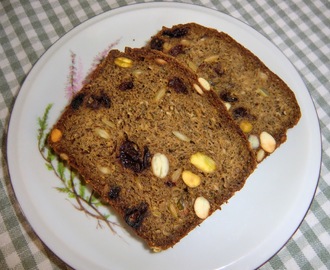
(301, 29)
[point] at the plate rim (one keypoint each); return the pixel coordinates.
(57, 44)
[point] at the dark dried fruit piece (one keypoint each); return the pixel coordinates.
(178, 85)
(77, 101)
(105, 101)
(170, 183)
(146, 158)
(218, 69)
(124, 86)
(157, 44)
(114, 193)
(212, 69)
(240, 112)
(131, 157)
(96, 102)
(134, 216)
(177, 32)
(176, 50)
(228, 97)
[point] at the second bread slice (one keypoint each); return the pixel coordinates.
(261, 104)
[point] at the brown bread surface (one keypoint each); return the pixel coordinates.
(126, 114)
(257, 99)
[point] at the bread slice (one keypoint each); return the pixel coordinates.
(163, 155)
(258, 100)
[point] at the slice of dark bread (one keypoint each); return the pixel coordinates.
(258, 100)
(163, 155)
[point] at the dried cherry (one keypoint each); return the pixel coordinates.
(177, 32)
(114, 192)
(134, 216)
(131, 157)
(124, 86)
(77, 101)
(98, 101)
(217, 68)
(146, 157)
(176, 50)
(228, 97)
(170, 183)
(157, 44)
(178, 85)
(240, 112)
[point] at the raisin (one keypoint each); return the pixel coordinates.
(217, 68)
(77, 101)
(214, 69)
(170, 184)
(176, 50)
(130, 156)
(134, 216)
(114, 193)
(105, 101)
(156, 44)
(178, 85)
(177, 32)
(146, 158)
(96, 102)
(227, 97)
(126, 86)
(240, 112)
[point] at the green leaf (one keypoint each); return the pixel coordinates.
(82, 191)
(69, 184)
(60, 169)
(50, 155)
(98, 204)
(71, 195)
(94, 200)
(42, 122)
(106, 216)
(49, 166)
(72, 173)
(63, 189)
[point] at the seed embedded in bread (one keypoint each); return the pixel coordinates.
(191, 179)
(202, 207)
(160, 165)
(160, 61)
(123, 62)
(176, 175)
(102, 133)
(260, 155)
(104, 170)
(203, 162)
(246, 126)
(181, 136)
(198, 89)
(204, 83)
(267, 142)
(254, 141)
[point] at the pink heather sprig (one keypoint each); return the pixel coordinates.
(99, 57)
(75, 78)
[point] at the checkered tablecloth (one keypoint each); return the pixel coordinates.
(300, 28)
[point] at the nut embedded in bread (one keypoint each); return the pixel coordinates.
(257, 99)
(161, 154)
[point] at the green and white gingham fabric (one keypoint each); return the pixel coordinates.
(300, 28)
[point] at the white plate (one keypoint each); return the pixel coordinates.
(255, 224)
